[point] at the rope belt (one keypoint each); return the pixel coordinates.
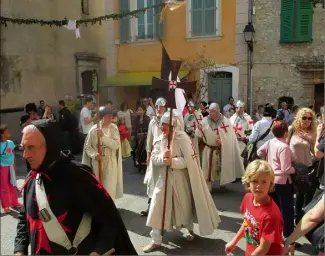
(213, 149)
(53, 228)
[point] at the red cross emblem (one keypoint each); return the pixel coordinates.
(224, 126)
(200, 118)
(237, 128)
(172, 84)
(251, 122)
(194, 125)
(216, 131)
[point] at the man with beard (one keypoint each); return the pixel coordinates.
(242, 124)
(66, 210)
(112, 174)
(154, 131)
(187, 197)
(221, 160)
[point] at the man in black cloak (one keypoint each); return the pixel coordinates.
(70, 192)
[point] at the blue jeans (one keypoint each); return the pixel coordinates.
(283, 197)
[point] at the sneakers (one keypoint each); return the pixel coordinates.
(151, 247)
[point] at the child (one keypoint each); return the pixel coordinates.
(8, 190)
(124, 134)
(262, 226)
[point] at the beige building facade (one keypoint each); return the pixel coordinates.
(48, 63)
(288, 57)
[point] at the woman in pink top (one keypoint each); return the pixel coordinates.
(278, 154)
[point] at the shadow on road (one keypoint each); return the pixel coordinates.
(230, 224)
(134, 222)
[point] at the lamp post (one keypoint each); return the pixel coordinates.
(249, 33)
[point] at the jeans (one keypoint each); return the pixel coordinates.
(283, 197)
(302, 199)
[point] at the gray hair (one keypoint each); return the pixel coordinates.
(32, 128)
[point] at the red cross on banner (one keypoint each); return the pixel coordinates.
(237, 128)
(223, 126)
(172, 84)
(216, 131)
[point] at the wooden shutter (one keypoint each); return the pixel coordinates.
(197, 17)
(159, 27)
(210, 19)
(287, 21)
(124, 22)
(304, 21)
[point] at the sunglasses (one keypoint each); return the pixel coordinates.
(307, 118)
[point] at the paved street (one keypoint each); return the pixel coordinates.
(135, 200)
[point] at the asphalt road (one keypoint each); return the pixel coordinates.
(135, 200)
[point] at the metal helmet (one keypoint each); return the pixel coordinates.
(191, 104)
(160, 102)
(240, 104)
(214, 106)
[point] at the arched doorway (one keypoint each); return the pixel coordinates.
(289, 100)
(87, 81)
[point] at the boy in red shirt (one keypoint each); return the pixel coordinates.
(263, 224)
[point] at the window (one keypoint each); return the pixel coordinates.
(145, 26)
(204, 17)
(85, 7)
(296, 21)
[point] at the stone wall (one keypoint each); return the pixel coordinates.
(276, 67)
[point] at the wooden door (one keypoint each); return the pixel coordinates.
(87, 82)
(220, 88)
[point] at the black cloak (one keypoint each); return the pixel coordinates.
(72, 190)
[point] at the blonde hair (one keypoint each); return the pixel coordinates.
(297, 122)
(254, 170)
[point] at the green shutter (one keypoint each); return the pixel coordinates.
(197, 17)
(150, 20)
(287, 21)
(210, 19)
(159, 27)
(141, 23)
(124, 22)
(304, 21)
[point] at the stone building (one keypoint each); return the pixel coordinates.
(48, 63)
(288, 57)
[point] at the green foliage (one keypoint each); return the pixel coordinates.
(86, 22)
(73, 105)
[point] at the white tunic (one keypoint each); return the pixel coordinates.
(231, 163)
(152, 173)
(112, 175)
(188, 198)
(240, 125)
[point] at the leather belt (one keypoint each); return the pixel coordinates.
(213, 149)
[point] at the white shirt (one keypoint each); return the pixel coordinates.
(150, 112)
(85, 113)
(259, 129)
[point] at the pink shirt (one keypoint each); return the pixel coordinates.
(280, 157)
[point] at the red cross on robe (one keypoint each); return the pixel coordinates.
(200, 118)
(223, 126)
(216, 131)
(194, 125)
(237, 128)
(251, 121)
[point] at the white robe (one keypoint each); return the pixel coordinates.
(240, 125)
(152, 173)
(112, 174)
(188, 197)
(231, 162)
(191, 124)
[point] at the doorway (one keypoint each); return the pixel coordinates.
(220, 87)
(319, 96)
(87, 82)
(289, 100)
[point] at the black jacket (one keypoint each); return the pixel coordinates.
(68, 121)
(72, 190)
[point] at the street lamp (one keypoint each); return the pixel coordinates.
(249, 33)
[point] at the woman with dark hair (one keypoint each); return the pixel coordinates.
(126, 114)
(279, 155)
(31, 111)
(139, 134)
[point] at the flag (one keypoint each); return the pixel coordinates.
(180, 100)
(165, 69)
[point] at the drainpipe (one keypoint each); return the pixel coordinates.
(249, 64)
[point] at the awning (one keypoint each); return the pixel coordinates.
(135, 78)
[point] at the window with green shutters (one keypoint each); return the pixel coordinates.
(296, 21)
(204, 17)
(124, 22)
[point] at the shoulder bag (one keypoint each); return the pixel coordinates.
(250, 151)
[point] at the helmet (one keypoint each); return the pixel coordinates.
(160, 102)
(214, 106)
(240, 104)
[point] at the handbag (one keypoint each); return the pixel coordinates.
(250, 151)
(316, 235)
(304, 177)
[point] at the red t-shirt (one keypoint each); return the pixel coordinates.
(262, 221)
